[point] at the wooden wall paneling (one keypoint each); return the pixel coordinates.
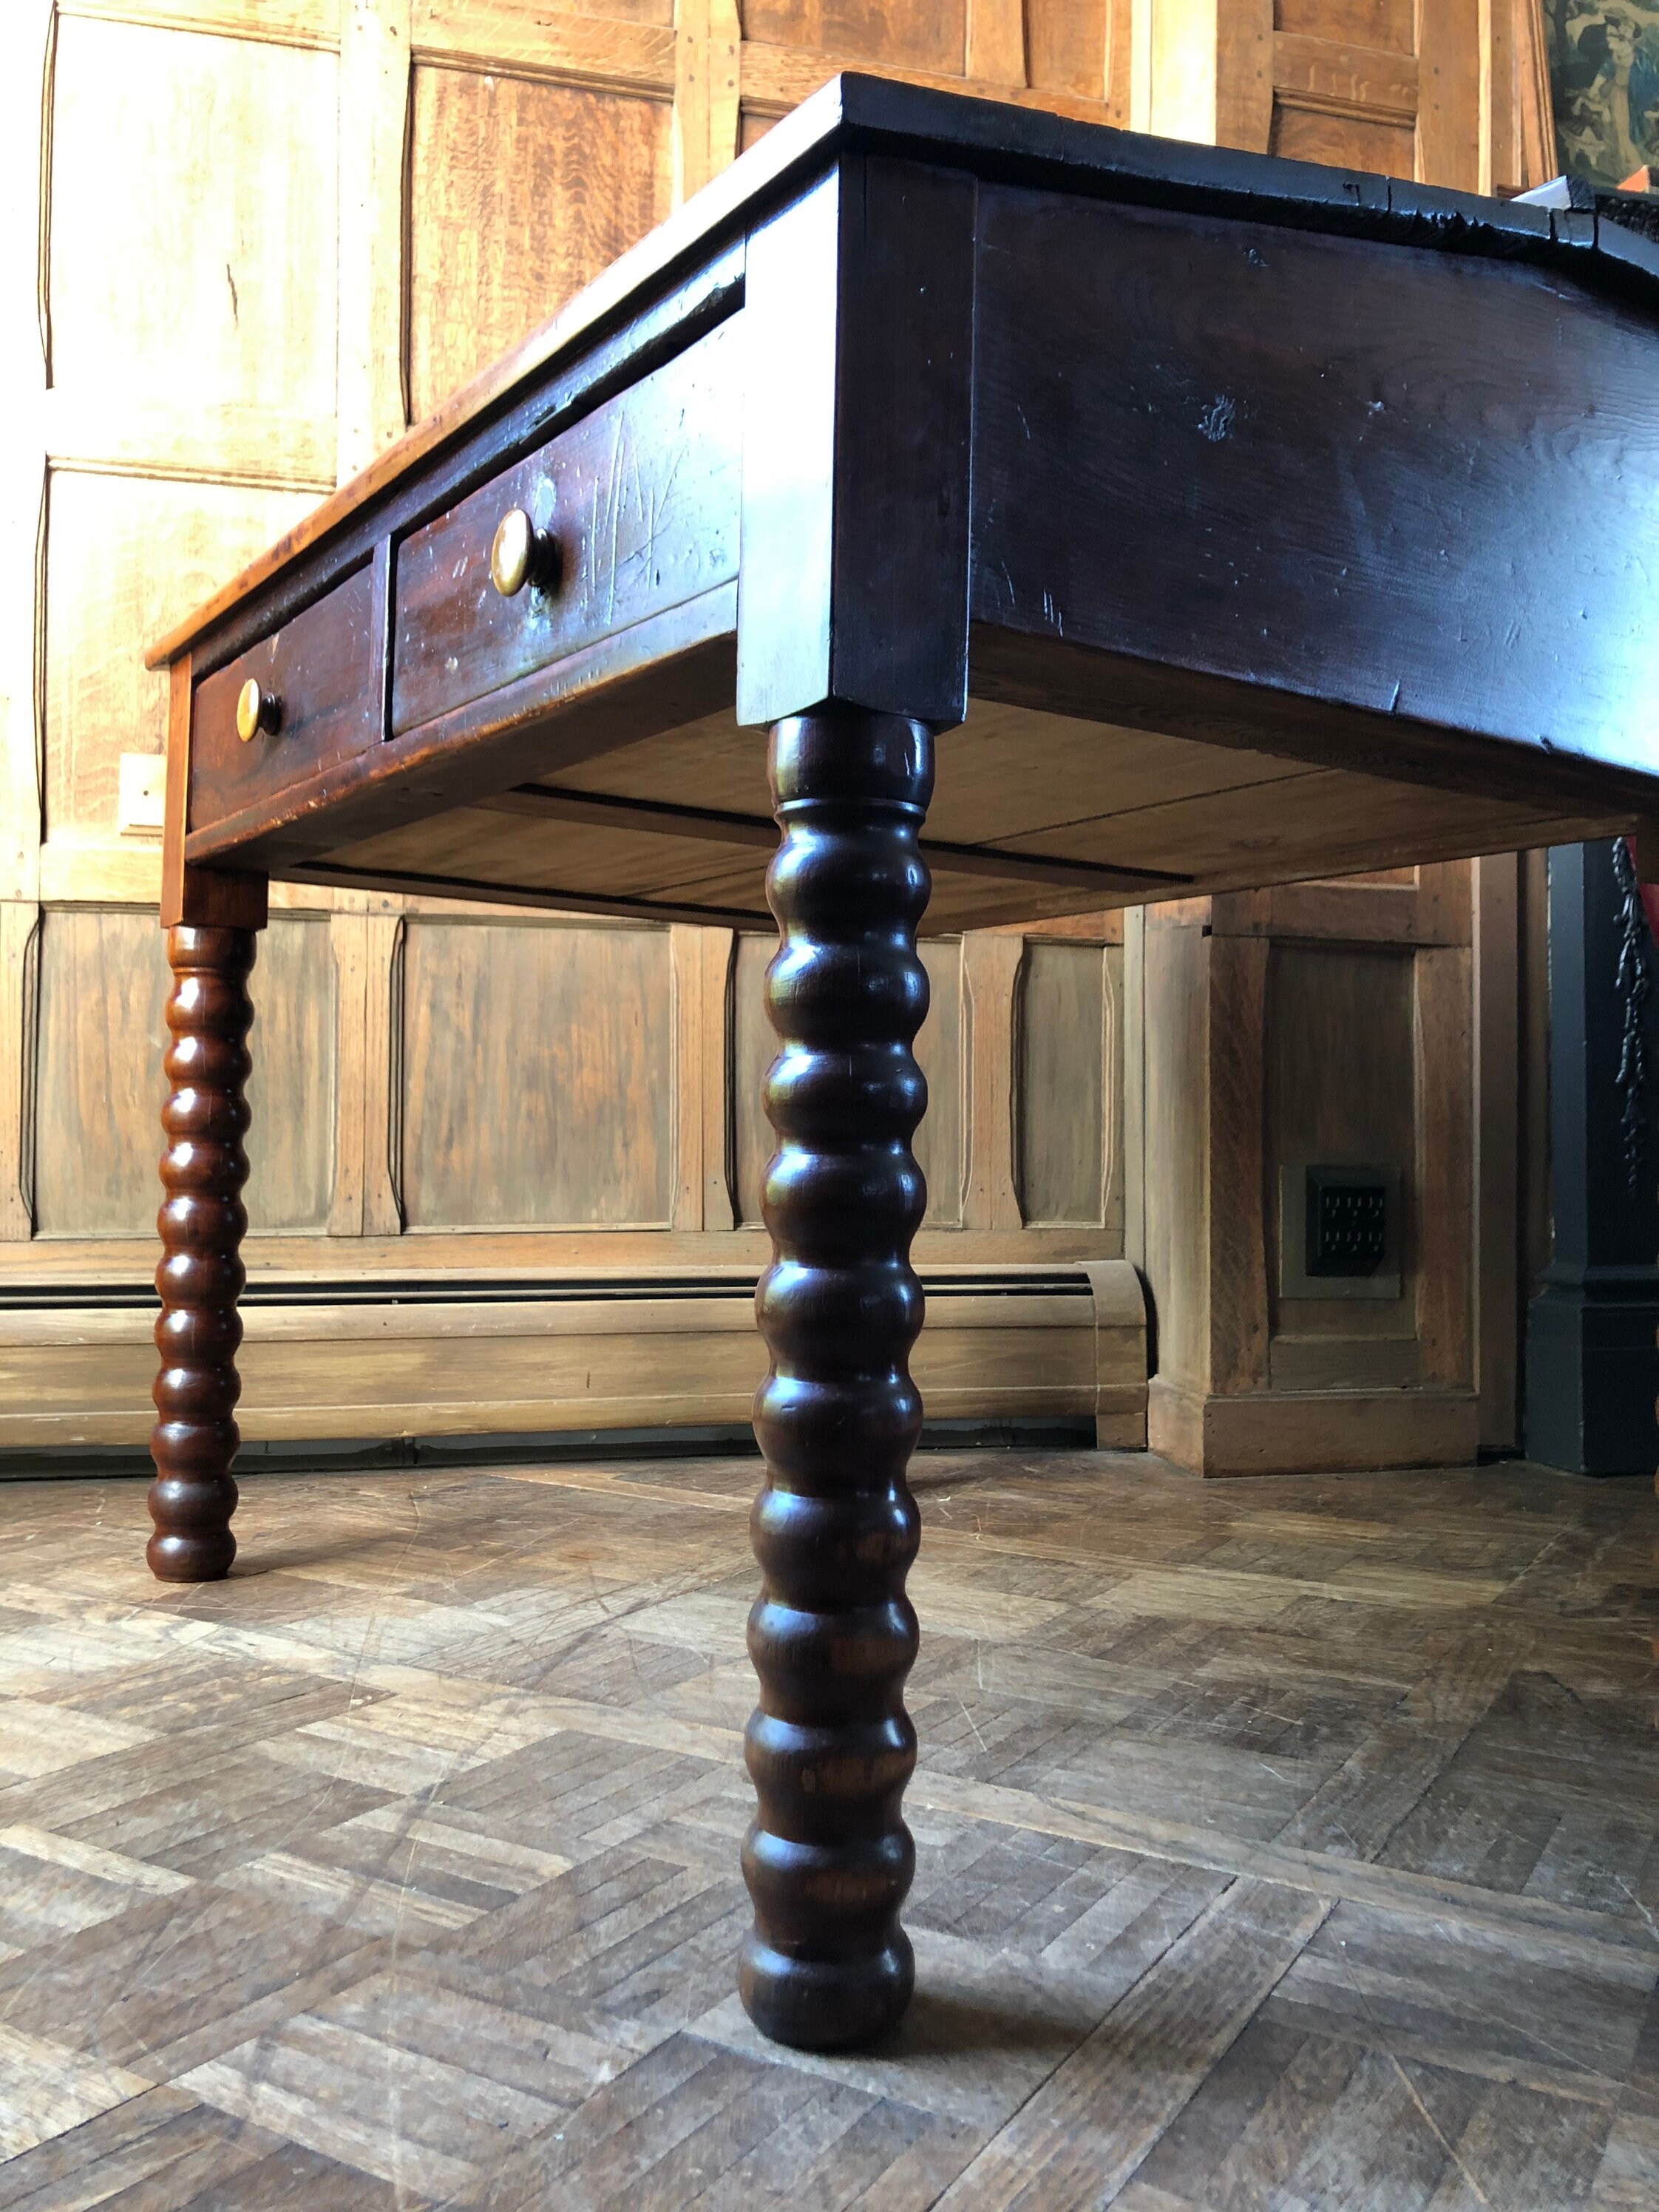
(687, 1015)
(701, 962)
(103, 984)
(938, 1144)
(383, 932)
(1111, 1088)
(1176, 1171)
(1387, 23)
(904, 34)
(1324, 76)
(1244, 74)
(1449, 115)
(521, 189)
(372, 406)
(1064, 1088)
(1211, 71)
(1534, 123)
(19, 928)
(1498, 1081)
(719, 958)
(292, 1091)
(347, 931)
(1238, 1292)
(707, 52)
(1344, 142)
(1342, 1088)
(215, 160)
(1445, 1059)
(1536, 1228)
(270, 22)
(1077, 46)
(1132, 1151)
(125, 554)
(995, 43)
(533, 1056)
(25, 145)
(752, 1049)
(1497, 155)
(624, 45)
(990, 972)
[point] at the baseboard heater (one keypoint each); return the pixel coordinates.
(343, 1363)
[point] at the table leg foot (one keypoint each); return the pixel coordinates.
(830, 1748)
(201, 1276)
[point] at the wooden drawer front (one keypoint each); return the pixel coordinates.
(640, 500)
(322, 667)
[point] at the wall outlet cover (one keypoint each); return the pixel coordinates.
(142, 797)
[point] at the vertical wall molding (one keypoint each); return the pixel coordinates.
(373, 389)
(383, 1083)
(19, 943)
(990, 978)
(996, 42)
(349, 939)
(1445, 1135)
(701, 965)
(1499, 1291)
(719, 1137)
(1237, 1054)
(707, 53)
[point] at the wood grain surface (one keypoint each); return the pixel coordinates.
(828, 1859)
(1292, 1845)
(324, 669)
(202, 1221)
(636, 508)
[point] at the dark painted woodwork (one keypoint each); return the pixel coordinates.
(1319, 466)
(1592, 1369)
(860, 304)
(202, 1223)
(322, 670)
(828, 1859)
(637, 508)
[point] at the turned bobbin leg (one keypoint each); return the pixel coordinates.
(828, 1859)
(201, 1276)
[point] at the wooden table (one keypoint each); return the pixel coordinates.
(1237, 521)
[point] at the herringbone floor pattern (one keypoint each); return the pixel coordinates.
(1282, 1844)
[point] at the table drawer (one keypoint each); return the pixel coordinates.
(634, 510)
(320, 669)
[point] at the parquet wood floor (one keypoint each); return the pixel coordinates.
(1283, 1844)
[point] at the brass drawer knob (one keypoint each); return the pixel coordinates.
(256, 709)
(519, 554)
